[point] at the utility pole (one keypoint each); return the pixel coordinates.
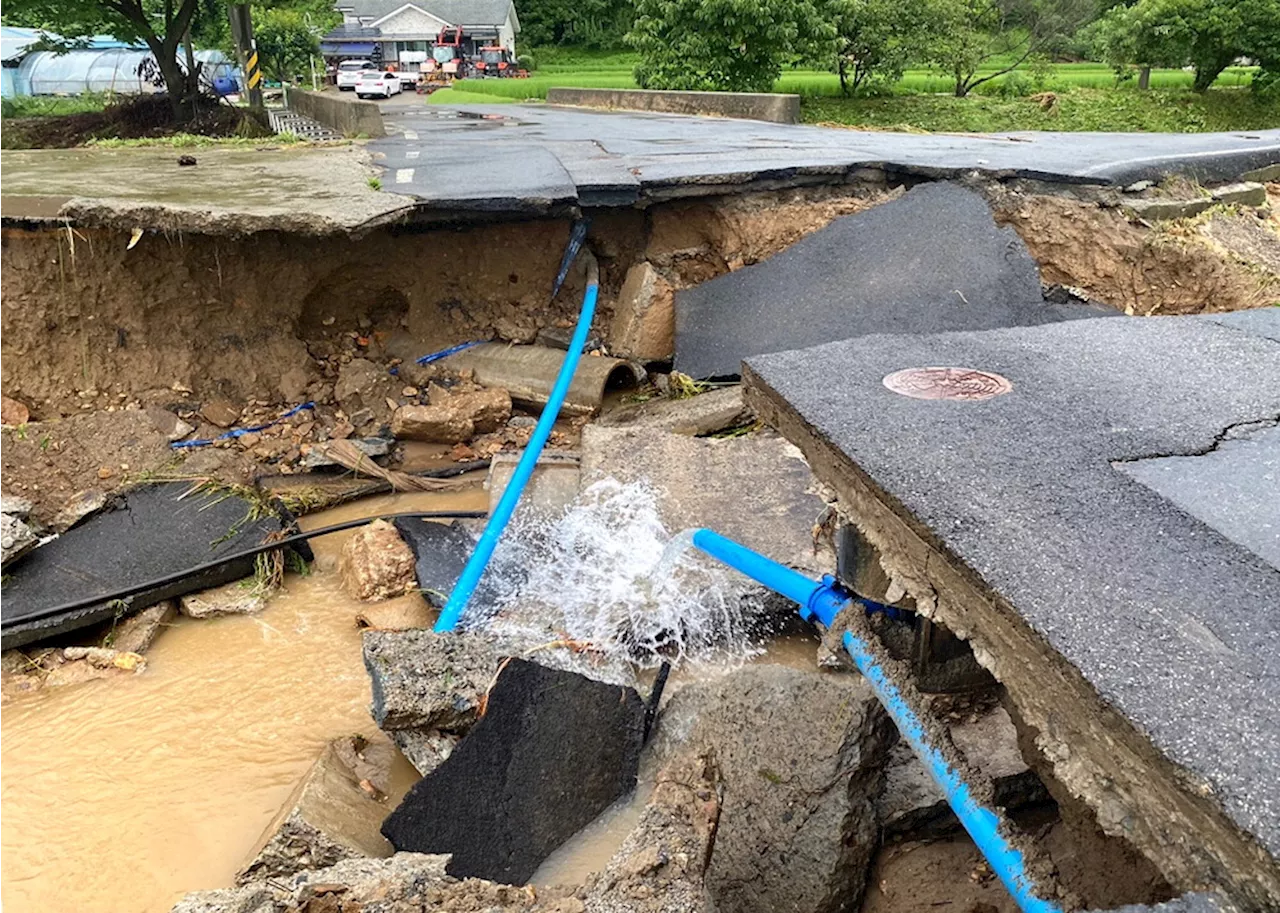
(247, 51)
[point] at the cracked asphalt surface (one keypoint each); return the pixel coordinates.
(537, 157)
(1171, 619)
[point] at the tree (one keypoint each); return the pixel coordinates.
(286, 41)
(878, 39)
(976, 33)
(725, 45)
(161, 25)
(584, 23)
(1207, 34)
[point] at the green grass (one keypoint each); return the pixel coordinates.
(463, 97)
(1125, 109)
(193, 141)
(572, 67)
(50, 105)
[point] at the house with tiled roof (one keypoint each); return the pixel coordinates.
(406, 29)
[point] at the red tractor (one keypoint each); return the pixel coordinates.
(448, 54)
(497, 61)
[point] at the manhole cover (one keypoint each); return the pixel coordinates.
(947, 383)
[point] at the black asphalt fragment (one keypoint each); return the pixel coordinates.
(553, 750)
(149, 532)
(933, 260)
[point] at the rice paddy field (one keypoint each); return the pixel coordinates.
(1072, 96)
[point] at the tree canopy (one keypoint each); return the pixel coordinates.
(726, 45)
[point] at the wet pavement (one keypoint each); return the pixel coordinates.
(537, 156)
(1164, 605)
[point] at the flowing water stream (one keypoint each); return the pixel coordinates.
(120, 795)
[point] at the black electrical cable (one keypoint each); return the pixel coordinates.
(226, 559)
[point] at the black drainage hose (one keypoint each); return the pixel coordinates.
(68, 607)
(655, 698)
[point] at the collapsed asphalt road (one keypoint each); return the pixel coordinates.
(525, 157)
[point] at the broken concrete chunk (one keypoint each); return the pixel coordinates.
(318, 457)
(220, 412)
(550, 490)
(168, 424)
(553, 750)
(705, 413)
(425, 749)
(644, 318)
(136, 633)
(240, 597)
(800, 782)
(80, 505)
(424, 680)
(661, 866)
(1245, 193)
(755, 489)
(16, 538)
(911, 805)
(432, 424)
(334, 814)
(15, 506)
(376, 563)
(252, 899)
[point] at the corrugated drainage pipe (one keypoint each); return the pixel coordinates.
(451, 614)
(821, 601)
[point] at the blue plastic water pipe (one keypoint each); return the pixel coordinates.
(821, 601)
(451, 614)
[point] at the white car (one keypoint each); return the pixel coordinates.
(378, 82)
(349, 71)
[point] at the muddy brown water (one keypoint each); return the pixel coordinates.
(122, 794)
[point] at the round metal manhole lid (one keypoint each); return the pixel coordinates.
(947, 383)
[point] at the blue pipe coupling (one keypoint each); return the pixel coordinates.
(821, 601)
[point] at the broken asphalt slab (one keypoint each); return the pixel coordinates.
(232, 191)
(612, 158)
(145, 534)
(1139, 640)
(553, 750)
(931, 261)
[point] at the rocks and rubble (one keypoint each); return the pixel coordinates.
(661, 867)
(376, 563)
(452, 418)
(644, 318)
(240, 597)
(333, 815)
(423, 680)
(706, 413)
(911, 803)
(135, 633)
(15, 538)
(801, 756)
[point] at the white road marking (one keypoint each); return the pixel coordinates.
(412, 153)
(404, 175)
(410, 134)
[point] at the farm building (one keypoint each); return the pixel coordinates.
(104, 64)
(405, 31)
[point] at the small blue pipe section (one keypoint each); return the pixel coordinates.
(451, 614)
(822, 600)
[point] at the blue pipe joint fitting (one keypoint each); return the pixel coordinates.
(826, 601)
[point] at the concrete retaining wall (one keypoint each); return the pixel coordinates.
(348, 116)
(780, 109)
